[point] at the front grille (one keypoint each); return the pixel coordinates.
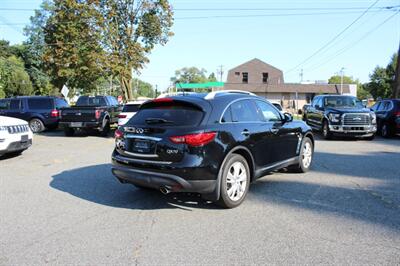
(18, 129)
(356, 119)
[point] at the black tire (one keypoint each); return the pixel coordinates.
(302, 166)
(105, 130)
(326, 133)
(36, 125)
(231, 162)
(386, 131)
(69, 132)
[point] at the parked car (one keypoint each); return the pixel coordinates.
(91, 112)
(340, 115)
(15, 135)
(388, 116)
(41, 112)
(129, 110)
(214, 144)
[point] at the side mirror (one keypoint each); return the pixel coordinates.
(288, 117)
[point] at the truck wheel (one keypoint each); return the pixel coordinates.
(105, 130)
(69, 132)
(235, 181)
(325, 130)
(385, 131)
(305, 157)
(36, 125)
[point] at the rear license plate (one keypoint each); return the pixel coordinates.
(24, 138)
(76, 124)
(141, 146)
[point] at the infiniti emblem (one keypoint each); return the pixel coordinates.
(139, 130)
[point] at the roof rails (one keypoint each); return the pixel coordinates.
(212, 95)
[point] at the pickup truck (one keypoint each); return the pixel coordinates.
(340, 115)
(90, 112)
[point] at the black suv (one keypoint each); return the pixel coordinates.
(388, 116)
(340, 115)
(41, 112)
(214, 144)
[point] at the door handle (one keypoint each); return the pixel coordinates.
(274, 130)
(245, 132)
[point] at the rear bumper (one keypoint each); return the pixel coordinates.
(128, 174)
(82, 125)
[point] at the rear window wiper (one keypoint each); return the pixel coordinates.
(158, 121)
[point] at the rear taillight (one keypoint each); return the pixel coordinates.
(97, 114)
(118, 134)
(195, 140)
(397, 114)
(121, 116)
(54, 113)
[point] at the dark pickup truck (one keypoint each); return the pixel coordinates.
(340, 115)
(97, 112)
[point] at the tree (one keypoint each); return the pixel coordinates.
(142, 88)
(190, 75)
(382, 80)
(33, 51)
(361, 92)
(73, 54)
(14, 79)
(212, 77)
(131, 30)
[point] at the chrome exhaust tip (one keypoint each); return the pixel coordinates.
(165, 190)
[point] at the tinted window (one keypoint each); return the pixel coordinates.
(60, 103)
(315, 101)
(375, 106)
(131, 108)
(227, 117)
(171, 114)
(268, 111)
(341, 101)
(36, 104)
(278, 106)
(4, 104)
(91, 101)
(381, 106)
(245, 111)
(15, 104)
(113, 101)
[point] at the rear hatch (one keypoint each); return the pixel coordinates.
(148, 134)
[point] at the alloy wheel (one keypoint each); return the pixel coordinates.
(307, 155)
(236, 181)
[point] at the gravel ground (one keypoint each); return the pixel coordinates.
(60, 204)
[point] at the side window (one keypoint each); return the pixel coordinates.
(37, 104)
(321, 102)
(314, 102)
(227, 116)
(268, 111)
(4, 104)
(15, 104)
(375, 106)
(60, 103)
(245, 111)
(381, 106)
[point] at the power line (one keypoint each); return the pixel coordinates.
(334, 38)
(351, 45)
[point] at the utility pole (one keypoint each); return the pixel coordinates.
(301, 75)
(220, 72)
(396, 87)
(341, 80)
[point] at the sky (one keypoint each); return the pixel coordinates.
(320, 37)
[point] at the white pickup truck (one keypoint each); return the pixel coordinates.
(15, 135)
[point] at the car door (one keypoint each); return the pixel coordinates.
(283, 136)
(250, 129)
(381, 112)
(16, 109)
(311, 113)
(319, 112)
(4, 106)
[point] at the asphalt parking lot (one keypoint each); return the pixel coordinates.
(60, 204)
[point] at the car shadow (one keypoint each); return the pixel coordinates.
(97, 184)
(77, 134)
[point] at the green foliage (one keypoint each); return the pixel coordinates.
(14, 79)
(142, 88)
(212, 77)
(361, 92)
(192, 75)
(2, 93)
(382, 80)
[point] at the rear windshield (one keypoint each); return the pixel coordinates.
(131, 108)
(167, 115)
(91, 101)
(38, 104)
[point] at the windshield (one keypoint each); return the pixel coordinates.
(342, 102)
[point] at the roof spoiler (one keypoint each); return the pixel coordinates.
(213, 94)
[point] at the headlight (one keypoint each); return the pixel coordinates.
(334, 117)
(373, 118)
(3, 128)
